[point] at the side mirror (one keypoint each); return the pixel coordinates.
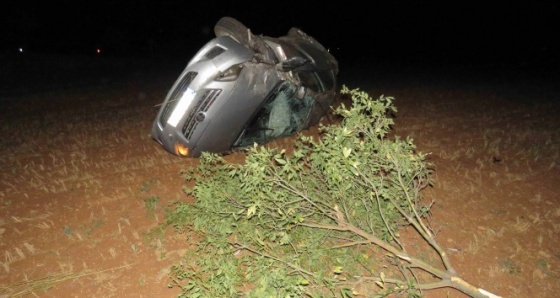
(300, 93)
(291, 63)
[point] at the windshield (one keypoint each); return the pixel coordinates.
(282, 114)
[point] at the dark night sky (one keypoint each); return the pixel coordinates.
(412, 30)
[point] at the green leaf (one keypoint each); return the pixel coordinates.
(251, 211)
(346, 152)
(280, 161)
(303, 282)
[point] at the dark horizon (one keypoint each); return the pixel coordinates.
(414, 31)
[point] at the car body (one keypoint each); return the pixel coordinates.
(240, 89)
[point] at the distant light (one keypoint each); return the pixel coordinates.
(98, 51)
(20, 50)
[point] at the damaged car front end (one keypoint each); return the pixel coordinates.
(240, 89)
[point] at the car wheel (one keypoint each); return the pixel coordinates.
(228, 26)
(295, 32)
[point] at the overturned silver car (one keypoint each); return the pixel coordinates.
(241, 89)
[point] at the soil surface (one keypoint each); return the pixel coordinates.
(82, 184)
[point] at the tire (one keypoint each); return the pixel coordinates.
(228, 26)
(295, 32)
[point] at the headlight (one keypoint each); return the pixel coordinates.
(230, 74)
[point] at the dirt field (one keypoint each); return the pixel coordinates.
(81, 182)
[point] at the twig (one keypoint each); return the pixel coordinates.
(47, 282)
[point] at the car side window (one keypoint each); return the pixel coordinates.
(282, 114)
(310, 80)
(327, 78)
